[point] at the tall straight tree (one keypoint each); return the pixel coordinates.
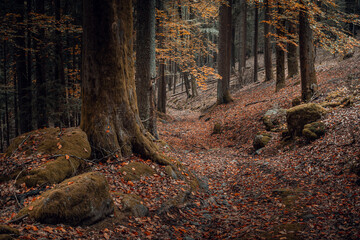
(280, 53)
(223, 93)
(24, 84)
(145, 63)
(109, 113)
(256, 34)
(161, 103)
(292, 54)
(242, 40)
(307, 55)
(267, 44)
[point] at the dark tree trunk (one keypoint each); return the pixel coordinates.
(223, 93)
(145, 54)
(267, 44)
(256, 33)
(242, 40)
(42, 120)
(24, 84)
(60, 106)
(292, 55)
(280, 55)
(307, 56)
(109, 113)
(6, 95)
(187, 84)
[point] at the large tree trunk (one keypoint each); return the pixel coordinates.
(223, 93)
(256, 33)
(145, 54)
(292, 55)
(109, 111)
(42, 120)
(24, 84)
(280, 55)
(60, 105)
(307, 56)
(6, 95)
(267, 44)
(242, 40)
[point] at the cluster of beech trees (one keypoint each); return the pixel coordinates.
(125, 76)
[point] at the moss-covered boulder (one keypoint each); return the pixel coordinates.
(261, 139)
(314, 130)
(132, 205)
(7, 232)
(296, 101)
(297, 117)
(71, 146)
(274, 118)
(80, 200)
(135, 170)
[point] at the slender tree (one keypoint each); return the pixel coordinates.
(161, 103)
(292, 54)
(223, 93)
(256, 33)
(280, 54)
(242, 40)
(307, 55)
(145, 63)
(267, 44)
(109, 113)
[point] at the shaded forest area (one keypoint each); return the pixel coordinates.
(162, 119)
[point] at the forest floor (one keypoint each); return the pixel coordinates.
(299, 190)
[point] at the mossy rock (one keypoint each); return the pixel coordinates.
(132, 205)
(7, 232)
(80, 200)
(330, 104)
(135, 170)
(261, 140)
(273, 118)
(72, 144)
(217, 128)
(297, 117)
(314, 130)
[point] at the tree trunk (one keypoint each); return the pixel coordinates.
(60, 90)
(280, 55)
(292, 55)
(187, 84)
(307, 56)
(223, 93)
(109, 111)
(256, 33)
(145, 54)
(267, 44)
(242, 41)
(161, 106)
(6, 96)
(42, 120)
(24, 84)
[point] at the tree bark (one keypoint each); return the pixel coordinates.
(161, 106)
(307, 56)
(256, 33)
(24, 84)
(242, 40)
(42, 120)
(292, 55)
(267, 44)
(223, 93)
(145, 54)
(109, 111)
(280, 55)
(6, 95)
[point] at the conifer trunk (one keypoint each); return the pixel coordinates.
(109, 113)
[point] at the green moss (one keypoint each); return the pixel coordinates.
(314, 130)
(296, 101)
(83, 199)
(297, 117)
(261, 140)
(135, 170)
